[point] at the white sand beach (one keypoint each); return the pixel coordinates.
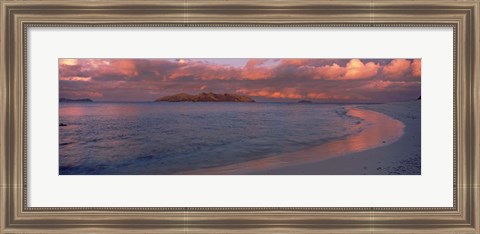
(401, 157)
(389, 145)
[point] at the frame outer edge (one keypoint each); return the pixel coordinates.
(3, 110)
(7, 104)
(476, 107)
(3, 118)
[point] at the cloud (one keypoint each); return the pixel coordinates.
(326, 96)
(396, 68)
(204, 71)
(125, 68)
(68, 62)
(339, 69)
(77, 78)
(84, 94)
(98, 67)
(297, 93)
(272, 93)
(356, 69)
(319, 79)
(331, 72)
(417, 68)
(389, 85)
(254, 70)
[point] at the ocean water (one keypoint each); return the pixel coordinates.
(169, 138)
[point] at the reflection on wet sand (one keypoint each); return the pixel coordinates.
(379, 130)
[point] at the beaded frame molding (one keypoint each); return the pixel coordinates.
(17, 16)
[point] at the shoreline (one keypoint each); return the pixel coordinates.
(349, 156)
(402, 157)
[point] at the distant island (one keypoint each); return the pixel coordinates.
(305, 101)
(76, 100)
(206, 97)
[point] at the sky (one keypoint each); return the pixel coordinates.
(283, 79)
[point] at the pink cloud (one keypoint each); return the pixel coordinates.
(68, 62)
(77, 78)
(416, 68)
(396, 68)
(293, 93)
(387, 84)
(331, 72)
(332, 96)
(254, 70)
(123, 67)
(319, 79)
(85, 94)
(294, 62)
(204, 71)
(272, 93)
(97, 67)
(353, 70)
(326, 96)
(356, 69)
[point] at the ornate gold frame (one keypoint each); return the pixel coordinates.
(17, 16)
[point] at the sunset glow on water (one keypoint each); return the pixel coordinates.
(164, 138)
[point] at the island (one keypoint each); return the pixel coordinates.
(305, 101)
(76, 100)
(206, 97)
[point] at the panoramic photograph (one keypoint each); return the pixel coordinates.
(239, 116)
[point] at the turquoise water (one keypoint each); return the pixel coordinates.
(168, 138)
